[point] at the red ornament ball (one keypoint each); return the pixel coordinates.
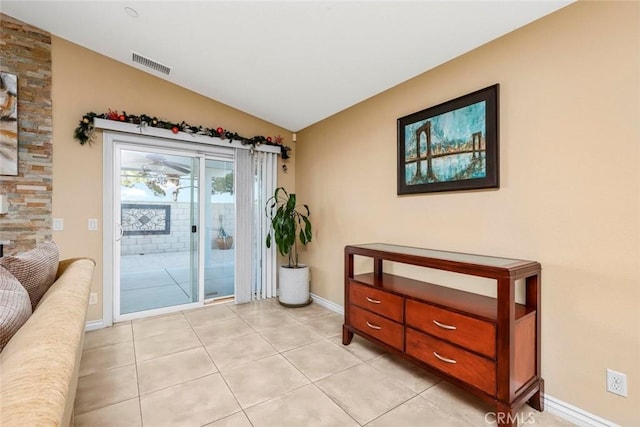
(219, 130)
(175, 129)
(268, 139)
(122, 117)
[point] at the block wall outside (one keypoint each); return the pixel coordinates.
(180, 232)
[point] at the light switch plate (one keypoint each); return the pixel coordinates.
(92, 224)
(58, 224)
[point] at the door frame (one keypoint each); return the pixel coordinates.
(111, 260)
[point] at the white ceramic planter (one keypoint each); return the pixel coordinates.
(294, 286)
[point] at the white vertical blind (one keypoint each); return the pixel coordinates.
(261, 248)
(271, 258)
(265, 182)
(244, 226)
(256, 177)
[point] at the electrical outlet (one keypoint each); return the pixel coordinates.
(616, 383)
(93, 298)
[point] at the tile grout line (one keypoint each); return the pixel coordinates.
(204, 347)
(135, 361)
(111, 369)
(391, 409)
(373, 362)
(314, 383)
(281, 353)
(416, 394)
(322, 337)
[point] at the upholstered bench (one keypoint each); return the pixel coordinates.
(39, 363)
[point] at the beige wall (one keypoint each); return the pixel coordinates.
(85, 81)
(569, 196)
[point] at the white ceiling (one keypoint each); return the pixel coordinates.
(291, 63)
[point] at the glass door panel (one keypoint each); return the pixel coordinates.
(158, 249)
(220, 220)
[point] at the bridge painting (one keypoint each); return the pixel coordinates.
(447, 147)
(450, 146)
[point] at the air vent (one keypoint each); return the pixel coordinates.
(136, 57)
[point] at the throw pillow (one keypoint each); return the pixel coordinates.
(35, 269)
(15, 306)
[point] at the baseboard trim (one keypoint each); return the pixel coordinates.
(328, 304)
(92, 325)
(571, 413)
(555, 406)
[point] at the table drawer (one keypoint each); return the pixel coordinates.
(466, 366)
(474, 334)
(385, 330)
(376, 300)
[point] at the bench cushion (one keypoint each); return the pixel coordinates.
(15, 306)
(35, 269)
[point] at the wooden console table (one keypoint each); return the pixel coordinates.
(488, 346)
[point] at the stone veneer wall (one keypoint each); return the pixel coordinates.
(26, 51)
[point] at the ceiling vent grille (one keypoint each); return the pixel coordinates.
(136, 57)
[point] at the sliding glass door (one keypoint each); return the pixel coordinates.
(220, 220)
(157, 215)
(183, 224)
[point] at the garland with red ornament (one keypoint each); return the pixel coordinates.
(84, 132)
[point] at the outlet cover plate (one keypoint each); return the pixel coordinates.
(616, 383)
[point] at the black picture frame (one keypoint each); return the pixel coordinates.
(8, 124)
(452, 146)
(145, 219)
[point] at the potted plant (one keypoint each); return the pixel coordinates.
(223, 240)
(290, 225)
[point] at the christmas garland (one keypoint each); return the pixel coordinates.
(84, 132)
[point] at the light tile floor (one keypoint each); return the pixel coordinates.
(260, 364)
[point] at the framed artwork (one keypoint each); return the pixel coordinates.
(141, 219)
(451, 146)
(8, 124)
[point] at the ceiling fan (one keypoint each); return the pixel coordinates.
(158, 160)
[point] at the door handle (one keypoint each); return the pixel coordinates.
(194, 228)
(120, 232)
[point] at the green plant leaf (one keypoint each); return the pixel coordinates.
(289, 224)
(307, 229)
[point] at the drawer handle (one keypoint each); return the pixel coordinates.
(372, 326)
(443, 326)
(444, 359)
(373, 301)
